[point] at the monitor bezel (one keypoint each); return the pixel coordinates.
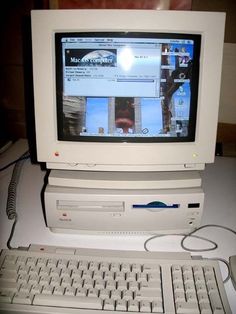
(97, 156)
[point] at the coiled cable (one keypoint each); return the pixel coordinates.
(12, 191)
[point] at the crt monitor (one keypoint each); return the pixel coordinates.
(126, 90)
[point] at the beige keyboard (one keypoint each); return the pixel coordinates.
(60, 280)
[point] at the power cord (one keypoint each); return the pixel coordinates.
(12, 191)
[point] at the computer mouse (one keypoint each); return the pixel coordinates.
(232, 267)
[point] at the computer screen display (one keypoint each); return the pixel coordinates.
(127, 86)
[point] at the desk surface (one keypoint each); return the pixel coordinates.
(219, 184)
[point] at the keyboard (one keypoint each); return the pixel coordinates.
(48, 279)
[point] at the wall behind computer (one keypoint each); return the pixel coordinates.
(16, 98)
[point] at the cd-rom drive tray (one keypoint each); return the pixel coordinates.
(94, 206)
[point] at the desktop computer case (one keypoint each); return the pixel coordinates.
(112, 211)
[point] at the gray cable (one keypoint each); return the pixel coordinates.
(200, 228)
(11, 199)
(214, 245)
(227, 265)
(191, 235)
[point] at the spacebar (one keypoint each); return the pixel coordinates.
(68, 301)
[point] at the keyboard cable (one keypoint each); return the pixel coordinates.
(12, 193)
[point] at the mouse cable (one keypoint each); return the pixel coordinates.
(200, 228)
(11, 198)
(192, 235)
(227, 265)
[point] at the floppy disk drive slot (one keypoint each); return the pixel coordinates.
(96, 206)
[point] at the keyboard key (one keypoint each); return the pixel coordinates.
(62, 263)
(8, 286)
(145, 306)
(119, 275)
(104, 294)
(68, 301)
(203, 297)
(150, 268)
(150, 286)
(178, 286)
(73, 265)
(100, 284)
(108, 275)
(176, 268)
(36, 288)
(115, 294)
(127, 295)
(141, 277)
(70, 291)
(125, 267)
(92, 292)
(10, 259)
(191, 297)
(133, 306)
(87, 274)
(109, 304)
(47, 289)
(81, 292)
(154, 276)
(8, 276)
(66, 282)
(9, 267)
(93, 265)
(187, 269)
(148, 295)
(111, 284)
(133, 285)
(122, 285)
(136, 267)
(6, 296)
(25, 287)
(121, 305)
(23, 278)
(157, 307)
(186, 308)
(33, 279)
(104, 266)
(52, 262)
(76, 273)
(97, 274)
(205, 308)
(215, 301)
(22, 298)
(31, 261)
(179, 296)
(44, 280)
(41, 262)
(115, 266)
(59, 290)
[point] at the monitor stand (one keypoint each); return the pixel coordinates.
(125, 180)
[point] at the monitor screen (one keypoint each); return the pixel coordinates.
(127, 86)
